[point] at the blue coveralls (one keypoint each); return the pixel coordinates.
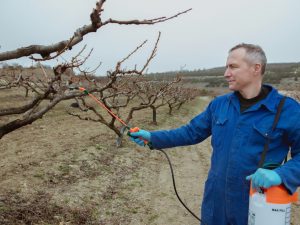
(238, 141)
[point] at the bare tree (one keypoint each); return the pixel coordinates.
(127, 93)
(155, 94)
(179, 96)
(54, 88)
(49, 92)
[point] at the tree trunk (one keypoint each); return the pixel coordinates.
(154, 121)
(170, 110)
(179, 106)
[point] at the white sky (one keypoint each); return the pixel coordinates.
(196, 40)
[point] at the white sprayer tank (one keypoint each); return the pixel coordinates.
(271, 206)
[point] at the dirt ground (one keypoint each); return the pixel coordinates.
(61, 170)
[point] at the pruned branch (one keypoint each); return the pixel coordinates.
(145, 21)
(58, 53)
(60, 47)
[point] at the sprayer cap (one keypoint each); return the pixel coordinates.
(277, 195)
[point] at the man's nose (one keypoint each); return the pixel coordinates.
(227, 73)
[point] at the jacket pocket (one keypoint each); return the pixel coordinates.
(261, 133)
(258, 139)
(218, 129)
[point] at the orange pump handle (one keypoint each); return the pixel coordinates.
(136, 129)
(277, 195)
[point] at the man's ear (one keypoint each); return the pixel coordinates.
(257, 68)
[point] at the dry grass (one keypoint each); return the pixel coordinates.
(16, 208)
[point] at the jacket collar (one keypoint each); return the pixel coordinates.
(270, 102)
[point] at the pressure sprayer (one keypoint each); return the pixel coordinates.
(270, 206)
(136, 129)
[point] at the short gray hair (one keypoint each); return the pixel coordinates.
(254, 54)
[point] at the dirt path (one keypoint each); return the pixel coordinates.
(190, 170)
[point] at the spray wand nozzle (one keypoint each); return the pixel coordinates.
(86, 92)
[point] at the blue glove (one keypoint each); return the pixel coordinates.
(140, 137)
(264, 178)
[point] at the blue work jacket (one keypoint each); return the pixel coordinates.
(237, 142)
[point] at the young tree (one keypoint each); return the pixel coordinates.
(180, 95)
(155, 94)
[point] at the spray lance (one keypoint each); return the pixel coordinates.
(136, 129)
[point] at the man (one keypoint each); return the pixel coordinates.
(239, 123)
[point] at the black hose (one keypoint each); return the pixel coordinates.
(173, 177)
(174, 185)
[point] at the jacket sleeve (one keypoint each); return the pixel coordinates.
(290, 171)
(198, 129)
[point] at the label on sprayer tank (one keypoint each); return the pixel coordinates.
(264, 213)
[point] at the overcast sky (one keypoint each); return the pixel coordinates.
(195, 40)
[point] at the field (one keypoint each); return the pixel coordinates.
(61, 170)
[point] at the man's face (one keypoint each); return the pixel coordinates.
(239, 73)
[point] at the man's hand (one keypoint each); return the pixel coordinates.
(264, 178)
(140, 137)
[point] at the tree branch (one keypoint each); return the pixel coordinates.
(46, 50)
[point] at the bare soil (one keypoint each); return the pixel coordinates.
(61, 170)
